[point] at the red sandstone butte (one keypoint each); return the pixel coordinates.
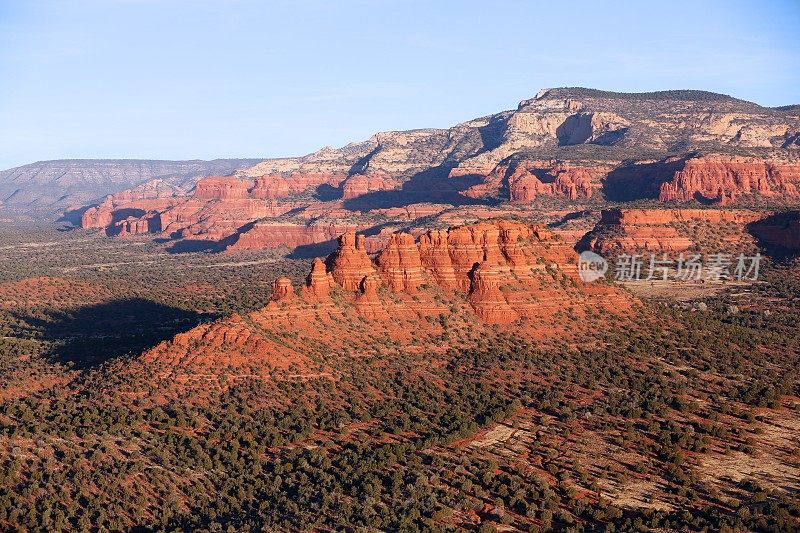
(276, 186)
(399, 264)
(361, 184)
(282, 290)
(99, 216)
(724, 178)
(498, 267)
(350, 263)
(522, 279)
(221, 188)
(654, 229)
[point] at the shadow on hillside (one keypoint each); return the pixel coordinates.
(74, 216)
(310, 251)
(327, 193)
(185, 246)
(575, 215)
(642, 181)
(431, 185)
(778, 235)
(92, 335)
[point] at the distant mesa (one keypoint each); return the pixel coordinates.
(50, 188)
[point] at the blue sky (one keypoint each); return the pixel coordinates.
(174, 79)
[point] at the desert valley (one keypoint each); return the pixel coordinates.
(398, 335)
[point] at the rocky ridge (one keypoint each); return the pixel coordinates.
(570, 146)
(505, 269)
(490, 274)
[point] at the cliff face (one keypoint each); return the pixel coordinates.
(568, 124)
(275, 186)
(724, 178)
(533, 178)
(100, 217)
(360, 185)
(221, 188)
(318, 283)
(400, 264)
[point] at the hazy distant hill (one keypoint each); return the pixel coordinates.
(51, 186)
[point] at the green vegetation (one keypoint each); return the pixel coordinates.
(506, 433)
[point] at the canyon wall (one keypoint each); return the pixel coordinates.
(725, 178)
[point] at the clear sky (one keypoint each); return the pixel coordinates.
(174, 79)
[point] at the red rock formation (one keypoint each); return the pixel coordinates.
(451, 255)
(470, 245)
(279, 336)
(318, 282)
(143, 225)
(724, 178)
(491, 180)
(100, 216)
(350, 263)
(486, 297)
(222, 188)
(400, 265)
(654, 230)
(291, 235)
(274, 186)
(529, 178)
(270, 187)
(131, 217)
(532, 178)
(435, 256)
(368, 304)
(632, 217)
(361, 184)
(282, 290)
